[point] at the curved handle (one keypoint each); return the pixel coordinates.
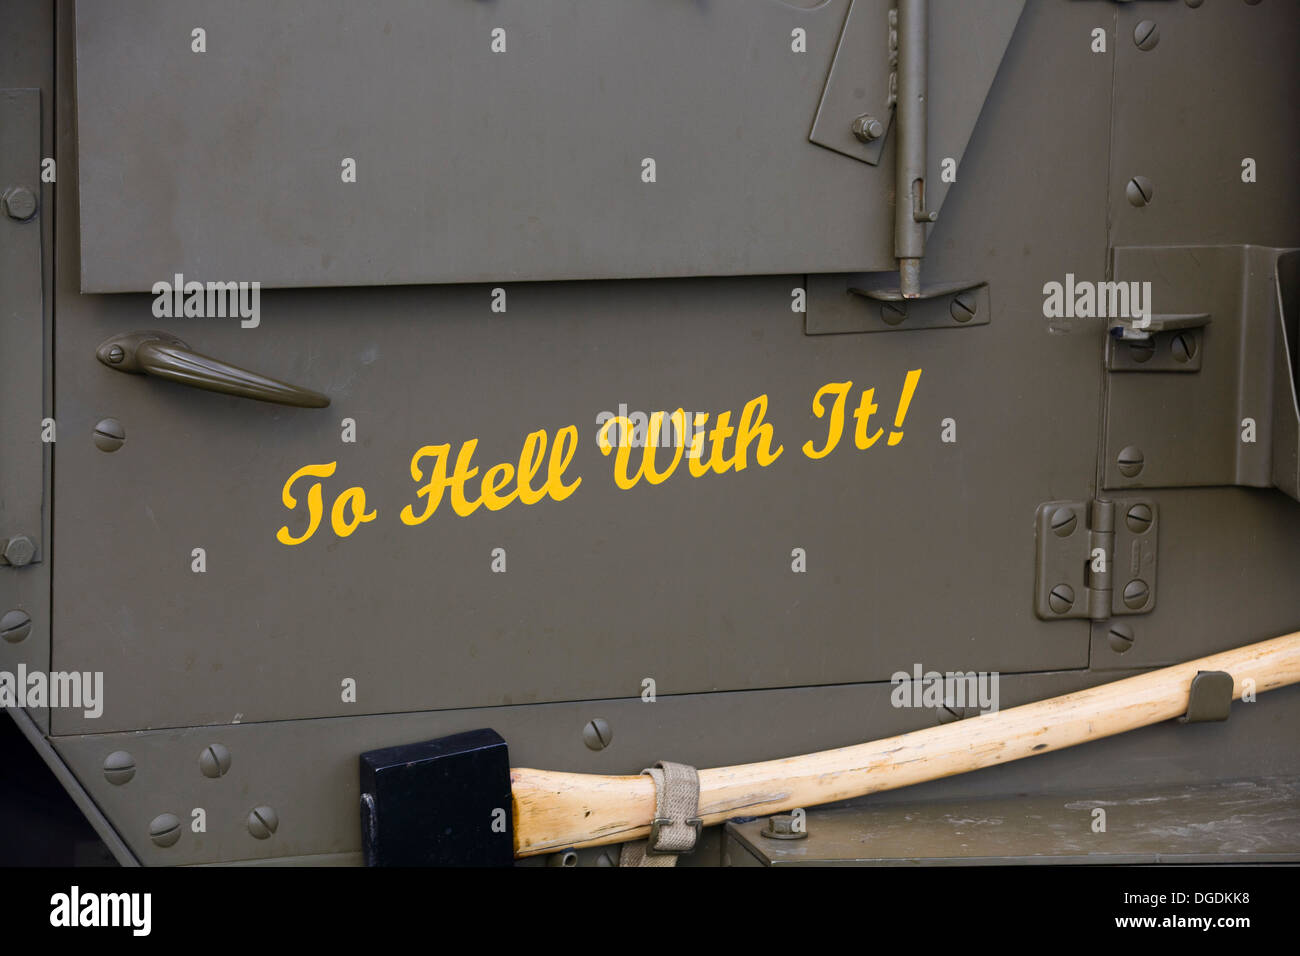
(166, 356)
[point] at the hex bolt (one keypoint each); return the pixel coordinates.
(109, 435)
(1142, 350)
(214, 761)
(1184, 347)
(891, 313)
(1063, 522)
(1138, 518)
(119, 768)
(19, 203)
(19, 550)
(262, 822)
(781, 827)
(15, 625)
(964, 307)
(1136, 593)
(597, 735)
(1120, 637)
(1139, 190)
(1061, 599)
(1130, 462)
(1146, 35)
(165, 829)
(867, 128)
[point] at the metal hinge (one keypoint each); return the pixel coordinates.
(1096, 559)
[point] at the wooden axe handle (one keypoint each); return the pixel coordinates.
(554, 810)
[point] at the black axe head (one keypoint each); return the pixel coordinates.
(444, 802)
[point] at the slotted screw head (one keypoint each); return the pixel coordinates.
(1130, 462)
(262, 822)
(214, 761)
(109, 435)
(964, 307)
(1146, 35)
(1061, 599)
(1136, 593)
(119, 768)
(597, 735)
(1142, 350)
(1184, 347)
(15, 626)
(1063, 522)
(892, 313)
(1138, 518)
(165, 829)
(1139, 191)
(1120, 637)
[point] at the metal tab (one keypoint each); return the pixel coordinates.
(857, 303)
(1210, 697)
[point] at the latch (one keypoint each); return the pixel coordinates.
(1096, 559)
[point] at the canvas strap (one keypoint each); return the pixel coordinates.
(676, 826)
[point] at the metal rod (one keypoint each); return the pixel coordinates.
(910, 216)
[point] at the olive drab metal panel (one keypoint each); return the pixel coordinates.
(577, 139)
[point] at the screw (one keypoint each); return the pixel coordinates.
(1121, 638)
(109, 435)
(20, 550)
(1130, 462)
(1139, 190)
(119, 768)
(1146, 35)
(262, 822)
(597, 735)
(1184, 347)
(115, 354)
(20, 203)
(891, 313)
(949, 713)
(165, 830)
(868, 128)
(15, 626)
(214, 761)
(964, 307)
(1063, 522)
(1136, 593)
(781, 827)
(1142, 350)
(1061, 599)
(1138, 518)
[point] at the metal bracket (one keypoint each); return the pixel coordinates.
(1209, 699)
(861, 302)
(1096, 559)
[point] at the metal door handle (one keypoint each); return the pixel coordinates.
(166, 356)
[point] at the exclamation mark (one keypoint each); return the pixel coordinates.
(909, 387)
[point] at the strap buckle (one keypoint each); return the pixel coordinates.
(652, 841)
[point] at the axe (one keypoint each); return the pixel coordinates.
(457, 801)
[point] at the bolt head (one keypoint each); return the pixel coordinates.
(20, 550)
(214, 761)
(1146, 35)
(1120, 637)
(15, 625)
(20, 203)
(597, 735)
(1139, 191)
(109, 435)
(1130, 462)
(262, 822)
(781, 827)
(1138, 518)
(867, 128)
(1136, 593)
(119, 768)
(165, 829)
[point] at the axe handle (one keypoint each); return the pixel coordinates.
(554, 810)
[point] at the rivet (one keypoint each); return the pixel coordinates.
(109, 435)
(597, 735)
(1063, 522)
(165, 829)
(214, 761)
(119, 768)
(1061, 599)
(1120, 637)
(1136, 593)
(964, 307)
(262, 822)
(1146, 35)
(1140, 191)
(1130, 462)
(15, 625)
